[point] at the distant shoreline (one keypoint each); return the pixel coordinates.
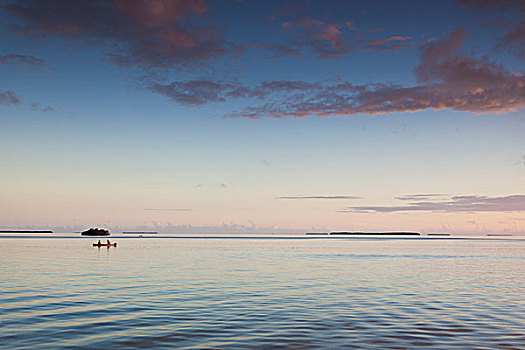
(26, 231)
(140, 232)
(376, 233)
(344, 233)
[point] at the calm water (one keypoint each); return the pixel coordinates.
(271, 292)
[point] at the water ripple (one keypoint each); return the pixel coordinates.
(265, 293)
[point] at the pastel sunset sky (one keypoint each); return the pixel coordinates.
(263, 116)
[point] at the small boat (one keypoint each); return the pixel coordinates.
(104, 245)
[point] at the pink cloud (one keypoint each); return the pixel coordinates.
(390, 43)
(324, 39)
(387, 40)
(448, 79)
(332, 34)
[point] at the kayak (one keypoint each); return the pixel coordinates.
(104, 245)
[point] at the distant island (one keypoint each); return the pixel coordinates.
(95, 232)
(438, 234)
(376, 233)
(26, 231)
(140, 232)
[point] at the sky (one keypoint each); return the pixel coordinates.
(263, 116)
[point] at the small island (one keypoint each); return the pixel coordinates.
(95, 232)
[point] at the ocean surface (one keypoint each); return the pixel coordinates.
(261, 292)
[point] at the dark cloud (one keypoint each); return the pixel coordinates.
(158, 33)
(8, 98)
(21, 59)
(318, 197)
(453, 204)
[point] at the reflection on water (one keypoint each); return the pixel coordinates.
(262, 293)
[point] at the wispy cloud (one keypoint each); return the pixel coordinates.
(329, 40)
(318, 197)
(8, 97)
(502, 5)
(169, 209)
(392, 42)
(21, 59)
(195, 92)
(514, 39)
(199, 92)
(453, 204)
(411, 197)
(38, 107)
(324, 39)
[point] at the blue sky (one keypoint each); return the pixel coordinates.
(256, 116)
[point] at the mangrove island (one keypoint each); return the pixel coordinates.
(95, 232)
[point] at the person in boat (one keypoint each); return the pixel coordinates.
(109, 242)
(99, 242)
